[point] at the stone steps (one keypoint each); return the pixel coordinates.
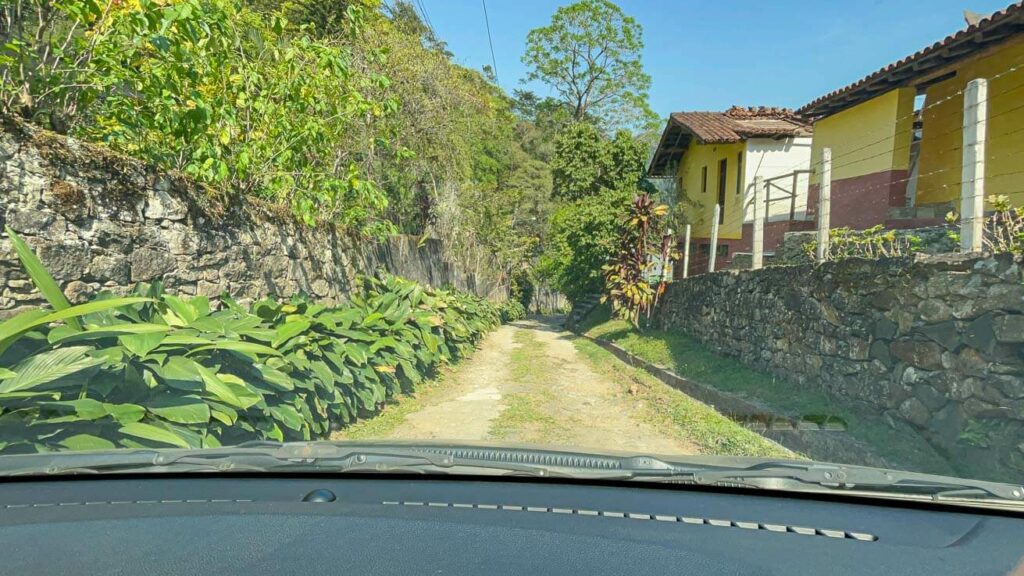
(581, 309)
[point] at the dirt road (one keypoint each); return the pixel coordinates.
(528, 383)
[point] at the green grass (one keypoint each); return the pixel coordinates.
(687, 357)
(523, 418)
(669, 410)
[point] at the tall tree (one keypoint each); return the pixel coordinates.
(590, 55)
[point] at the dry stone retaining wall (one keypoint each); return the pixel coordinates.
(937, 341)
(102, 221)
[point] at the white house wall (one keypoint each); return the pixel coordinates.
(768, 158)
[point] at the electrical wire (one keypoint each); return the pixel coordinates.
(490, 41)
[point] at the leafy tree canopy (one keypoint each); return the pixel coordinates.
(585, 162)
(590, 55)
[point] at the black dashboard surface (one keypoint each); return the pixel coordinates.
(250, 526)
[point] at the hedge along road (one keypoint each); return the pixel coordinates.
(528, 383)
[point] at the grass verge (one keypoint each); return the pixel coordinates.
(395, 411)
(675, 413)
(687, 357)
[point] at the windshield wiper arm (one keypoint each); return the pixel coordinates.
(787, 473)
(325, 457)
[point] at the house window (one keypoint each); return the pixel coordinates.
(704, 179)
(705, 249)
(739, 172)
(723, 172)
(723, 249)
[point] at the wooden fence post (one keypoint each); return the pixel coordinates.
(757, 243)
(686, 253)
(972, 187)
(714, 237)
(824, 204)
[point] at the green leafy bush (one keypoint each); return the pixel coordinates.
(155, 370)
(511, 310)
(240, 102)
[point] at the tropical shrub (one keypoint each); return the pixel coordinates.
(626, 282)
(156, 370)
(511, 310)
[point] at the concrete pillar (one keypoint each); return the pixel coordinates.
(686, 253)
(760, 213)
(824, 204)
(972, 187)
(714, 238)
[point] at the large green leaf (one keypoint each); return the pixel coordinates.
(40, 277)
(238, 346)
(5, 373)
(141, 344)
(57, 336)
(183, 410)
(86, 442)
(289, 330)
(179, 372)
(125, 413)
(287, 415)
(154, 433)
(33, 318)
(49, 366)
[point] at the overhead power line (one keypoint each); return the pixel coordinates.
(426, 18)
(490, 42)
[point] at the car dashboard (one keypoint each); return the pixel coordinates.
(370, 525)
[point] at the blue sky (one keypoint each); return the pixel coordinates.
(709, 55)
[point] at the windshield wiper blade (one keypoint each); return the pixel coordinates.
(260, 457)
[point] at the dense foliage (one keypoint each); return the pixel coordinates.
(348, 112)
(597, 177)
(242, 103)
(585, 162)
(157, 370)
(582, 238)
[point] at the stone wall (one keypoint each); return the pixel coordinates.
(102, 221)
(937, 341)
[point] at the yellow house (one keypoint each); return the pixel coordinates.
(896, 135)
(714, 157)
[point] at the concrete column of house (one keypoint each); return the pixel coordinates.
(714, 238)
(972, 187)
(757, 242)
(824, 204)
(686, 253)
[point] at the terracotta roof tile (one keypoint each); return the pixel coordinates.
(823, 105)
(736, 124)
